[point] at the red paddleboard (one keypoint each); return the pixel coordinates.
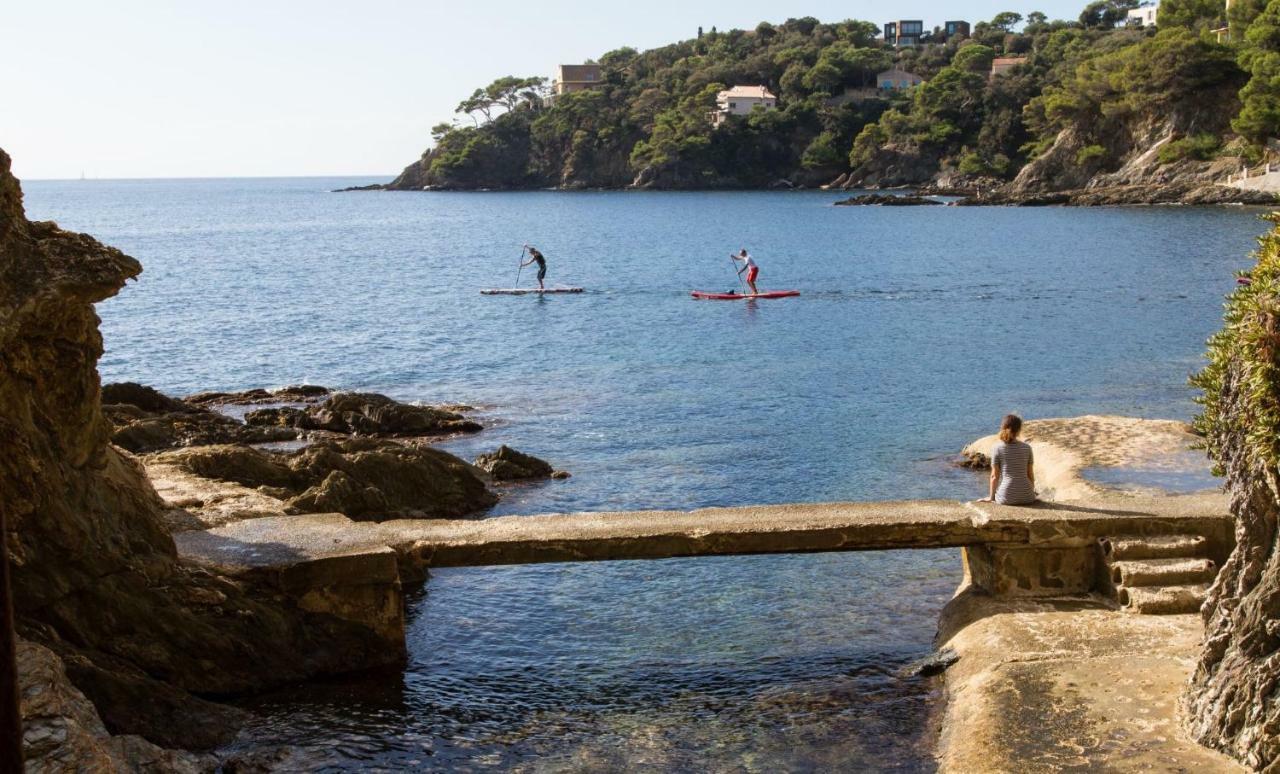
(739, 296)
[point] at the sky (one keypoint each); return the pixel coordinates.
(243, 88)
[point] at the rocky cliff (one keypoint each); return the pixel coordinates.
(96, 576)
(1233, 702)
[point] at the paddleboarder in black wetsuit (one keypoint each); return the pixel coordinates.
(536, 257)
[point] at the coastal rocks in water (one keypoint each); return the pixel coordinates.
(973, 459)
(887, 200)
(355, 413)
(507, 464)
(365, 479)
(145, 420)
(95, 572)
(299, 393)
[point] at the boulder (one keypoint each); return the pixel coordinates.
(365, 479)
(377, 480)
(148, 399)
(507, 464)
(354, 413)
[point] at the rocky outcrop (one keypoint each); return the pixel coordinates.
(507, 464)
(62, 730)
(365, 479)
(1233, 703)
(96, 575)
(1148, 193)
(894, 165)
(353, 413)
(886, 200)
(300, 393)
(144, 420)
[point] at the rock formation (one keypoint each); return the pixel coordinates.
(96, 575)
(144, 420)
(354, 413)
(1233, 702)
(507, 464)
(887, 200)
(365, 479)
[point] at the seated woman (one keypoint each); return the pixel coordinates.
(1013, 477)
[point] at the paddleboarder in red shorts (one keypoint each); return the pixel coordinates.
(749, 266)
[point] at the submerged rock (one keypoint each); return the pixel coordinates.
(365, 479)
(507, 464)
(145, 420)
(355, 413)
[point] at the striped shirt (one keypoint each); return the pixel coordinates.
(1015, 486)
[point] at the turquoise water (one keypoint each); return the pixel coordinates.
(917, 329)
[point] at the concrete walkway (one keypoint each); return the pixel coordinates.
(795, 528)
(287, 542)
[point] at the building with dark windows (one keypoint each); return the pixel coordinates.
(953, 28)
(904, 32)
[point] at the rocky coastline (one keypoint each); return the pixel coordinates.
(127, 650)
(128, 647)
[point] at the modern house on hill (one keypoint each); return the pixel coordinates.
(953, 28)
(905, 32)
(577, 77)
(741, 101)
(1143, 16)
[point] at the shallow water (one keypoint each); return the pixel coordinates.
(916, 330)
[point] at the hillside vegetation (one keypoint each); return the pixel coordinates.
(1091, 100)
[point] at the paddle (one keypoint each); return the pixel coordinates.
(734, 262)
(520, 262)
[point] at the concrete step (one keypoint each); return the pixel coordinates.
(1162, 572)
(1163, 600)
(1125, 547)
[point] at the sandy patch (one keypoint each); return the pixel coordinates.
(1064, 448)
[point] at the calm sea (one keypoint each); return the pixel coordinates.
(917, 329)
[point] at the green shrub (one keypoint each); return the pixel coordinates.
(1200, 147)
(1090, 153)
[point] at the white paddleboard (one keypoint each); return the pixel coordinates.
(524, 291)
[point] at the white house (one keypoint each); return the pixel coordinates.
(1144, 15)
(741, 100)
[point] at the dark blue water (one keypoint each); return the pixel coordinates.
(917, 329)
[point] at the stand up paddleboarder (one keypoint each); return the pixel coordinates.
(749, 266)
(536, 257)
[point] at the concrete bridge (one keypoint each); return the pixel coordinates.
(355, 570)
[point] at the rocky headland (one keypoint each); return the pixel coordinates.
(125, 648)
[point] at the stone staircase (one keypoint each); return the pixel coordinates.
(1158, 574)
